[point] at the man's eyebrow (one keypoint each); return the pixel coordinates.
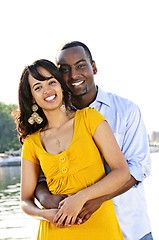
(81, 60)
(65, 64)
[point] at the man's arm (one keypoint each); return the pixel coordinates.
(44, 196)
(49, 201)
(92, 205)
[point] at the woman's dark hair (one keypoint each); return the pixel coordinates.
(26, 99)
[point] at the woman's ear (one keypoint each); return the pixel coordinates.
(33, 100)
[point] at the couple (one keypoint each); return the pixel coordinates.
(67, 139)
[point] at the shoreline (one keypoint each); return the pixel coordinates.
(10, 161)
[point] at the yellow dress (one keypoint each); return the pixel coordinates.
(78, 167)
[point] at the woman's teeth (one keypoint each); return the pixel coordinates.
(50, 98)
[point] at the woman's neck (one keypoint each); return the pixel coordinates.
(57, 118)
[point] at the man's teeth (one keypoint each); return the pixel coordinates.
(77, 84)
(50, 98)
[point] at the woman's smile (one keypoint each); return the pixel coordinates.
(50, 98)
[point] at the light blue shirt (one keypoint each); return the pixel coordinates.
(124, 117)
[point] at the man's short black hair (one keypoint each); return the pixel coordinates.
(75, 44)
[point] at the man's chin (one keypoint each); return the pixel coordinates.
(79, 93)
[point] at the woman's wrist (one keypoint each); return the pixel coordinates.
(83, 195)
(48, 214)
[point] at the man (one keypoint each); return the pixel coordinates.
(77, 67)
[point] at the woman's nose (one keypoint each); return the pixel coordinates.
(47, 89)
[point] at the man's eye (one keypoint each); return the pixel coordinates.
(64, 69)
(81, 66)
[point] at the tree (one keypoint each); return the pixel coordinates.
(8, 133)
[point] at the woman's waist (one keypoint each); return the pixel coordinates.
(73, 183)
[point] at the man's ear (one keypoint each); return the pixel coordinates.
(94, 67)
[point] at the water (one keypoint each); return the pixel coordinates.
(15, 225)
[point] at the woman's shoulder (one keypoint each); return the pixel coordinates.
(91, 118)
(32, 136)
(89, 112)
(86, 110)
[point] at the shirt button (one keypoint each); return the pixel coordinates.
(64, 169)
(62, 159)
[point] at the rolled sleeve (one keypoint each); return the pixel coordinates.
(136, 146)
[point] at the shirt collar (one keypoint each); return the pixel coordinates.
(103, 97)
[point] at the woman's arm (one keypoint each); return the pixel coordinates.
(29, 176)
(106, 142)
(119, 175)
(94, 204)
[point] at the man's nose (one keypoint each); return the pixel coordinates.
(74, 73)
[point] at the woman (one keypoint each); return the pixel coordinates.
(68, 145)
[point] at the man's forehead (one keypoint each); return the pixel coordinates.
(71, 55)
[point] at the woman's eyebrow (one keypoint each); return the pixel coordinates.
(35, 85)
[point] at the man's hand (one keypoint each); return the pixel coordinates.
(90, 207)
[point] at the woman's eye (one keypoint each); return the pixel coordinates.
(37, 88)
(52, 82)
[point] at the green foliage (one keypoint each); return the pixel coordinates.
(8, 133)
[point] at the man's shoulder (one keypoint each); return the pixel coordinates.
(117, 103)
(114, 98)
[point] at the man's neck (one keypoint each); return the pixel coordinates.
(84, 100)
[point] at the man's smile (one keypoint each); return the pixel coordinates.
(77, 83)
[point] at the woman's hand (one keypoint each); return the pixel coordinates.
(49, 214)
(69, 210)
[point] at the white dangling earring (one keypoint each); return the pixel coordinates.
(35, 116)
(63, 108)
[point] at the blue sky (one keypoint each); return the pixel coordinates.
(123, 37)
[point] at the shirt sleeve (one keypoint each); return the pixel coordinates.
(136, 146)
(93, 118)
(28, 151)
